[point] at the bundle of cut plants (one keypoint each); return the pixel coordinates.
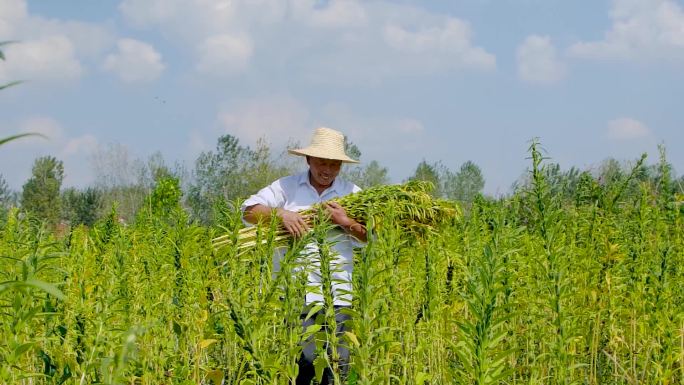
(413, 210)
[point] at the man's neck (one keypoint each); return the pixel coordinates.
(318, 187)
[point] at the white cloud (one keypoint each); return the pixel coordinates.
(339, 14)
(627, 129)
(84, 144)
(88, 39)
(47, 49)
(388, 139)
(149, 12)
(344, 40)
(282, 119)
(55, 138)
(277, 119)
(642, 29)
(410, 126)
(48, 127)
(224, 54)
(11, 12)
(451, 41)
(73, 150)
(538, 62)
(190, 21)
(135, 62)
(48, 59)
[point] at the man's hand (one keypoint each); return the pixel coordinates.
(337, 214)
(293, 222)
(339, 217)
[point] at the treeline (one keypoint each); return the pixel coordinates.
(220, 177)
(233, 171)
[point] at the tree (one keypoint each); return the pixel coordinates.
(231, 172)
(465, 184)
(5, 192)
(165, 198)
(125, 181)
(6, 199)
(351, 149)
(373, 175)
(81, 207)
(610, 172)
(118, 181)
(261, 169)
(564, 184)
(430, 173)
(215, 173)
(679, 185)
(40, 195)
(352, 171)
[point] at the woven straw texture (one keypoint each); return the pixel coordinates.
(326, 143)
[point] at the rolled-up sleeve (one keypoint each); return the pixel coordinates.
(270, 196)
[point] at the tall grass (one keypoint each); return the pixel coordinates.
(531, 289)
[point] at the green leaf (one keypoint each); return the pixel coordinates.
(214, 377)
(310, 330)
(206, 343)
(314, 310)
(352, 338)
(46, 287)
(10, 84)
(320, 363)
(422, 378)
(21, 349)
(13, 137)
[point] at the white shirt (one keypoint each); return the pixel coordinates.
(295, 193)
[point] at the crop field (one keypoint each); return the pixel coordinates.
(534, 288)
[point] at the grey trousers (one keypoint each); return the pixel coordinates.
(306, 367)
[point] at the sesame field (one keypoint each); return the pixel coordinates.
(581, 285)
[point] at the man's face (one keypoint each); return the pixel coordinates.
(323, 171)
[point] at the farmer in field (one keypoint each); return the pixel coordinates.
(287, 196)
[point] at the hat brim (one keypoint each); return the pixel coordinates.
(319, 154)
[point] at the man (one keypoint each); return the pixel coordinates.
(287, 196)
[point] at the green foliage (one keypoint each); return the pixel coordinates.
(571, 280)
(465, 184)
(483, 334)
(415, 212)
(5, 199)
(165, 198)
(7, 85)
(40, 195)
(18, 136)
(81, 206)
(431, 173)
(372, 175)
(125, 181)
(462, 186)
(233, 171)
(351, 149)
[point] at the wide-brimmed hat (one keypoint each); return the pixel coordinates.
(326, 143)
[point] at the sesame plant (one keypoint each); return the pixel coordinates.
(534, 288)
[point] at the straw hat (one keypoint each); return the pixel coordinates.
(326, 143)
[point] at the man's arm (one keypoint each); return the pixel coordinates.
(357, 230)
(292, 221)
(340, 218)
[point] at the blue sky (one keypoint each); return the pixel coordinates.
(445, 81)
